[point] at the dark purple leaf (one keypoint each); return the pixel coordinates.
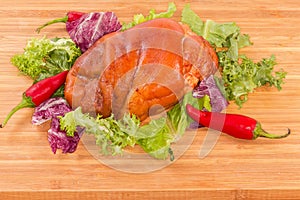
(209, 87)
(92, 26)
(52, 107)
(58, 139)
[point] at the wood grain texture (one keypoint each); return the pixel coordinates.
(234, 169)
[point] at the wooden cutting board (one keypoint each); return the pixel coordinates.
(233, 169)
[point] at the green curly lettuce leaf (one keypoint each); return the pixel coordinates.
(243, 76)
(44, 57)
(139, 18)
(108, 132)
(219, 35)
(169, 129)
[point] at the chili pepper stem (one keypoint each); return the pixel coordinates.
(259, 132)
(64, 20)
(25, 103)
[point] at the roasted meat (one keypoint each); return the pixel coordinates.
(144, 70)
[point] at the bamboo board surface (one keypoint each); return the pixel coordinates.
(234, 169)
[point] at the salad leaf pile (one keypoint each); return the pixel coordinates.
(112, 135)
(240, 75)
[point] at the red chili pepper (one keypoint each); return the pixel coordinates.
(238, 126)
(71, 16)
(38, 93)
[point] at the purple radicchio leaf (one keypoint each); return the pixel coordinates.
(209, 87)
(86, 30)
(58, 138)
(51, 109)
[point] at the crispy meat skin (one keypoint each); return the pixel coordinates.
(118, 88)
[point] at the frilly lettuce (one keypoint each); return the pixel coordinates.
(44, 57)
(240, 75)
(244, 76)
(155, 138)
